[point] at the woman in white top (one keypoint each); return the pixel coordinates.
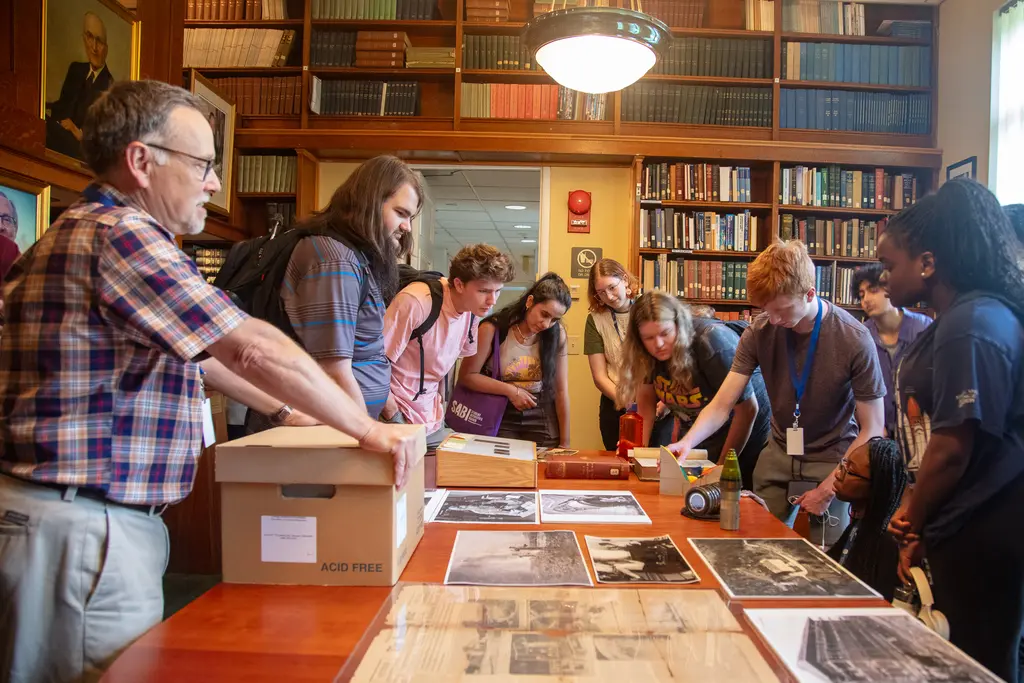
(611, 292)
(534, 364)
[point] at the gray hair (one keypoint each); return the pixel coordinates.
(14, 209)
(129, 111)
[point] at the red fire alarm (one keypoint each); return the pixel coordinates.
(579, 211)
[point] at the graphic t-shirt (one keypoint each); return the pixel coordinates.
(966, 366)
(713, 352)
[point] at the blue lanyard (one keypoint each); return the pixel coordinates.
(800, 383)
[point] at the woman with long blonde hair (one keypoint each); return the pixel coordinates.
(670, 356)
(611, 291)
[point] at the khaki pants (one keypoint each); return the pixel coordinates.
(775, 470)
(79, 581)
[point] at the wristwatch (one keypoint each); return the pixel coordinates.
(278, 418)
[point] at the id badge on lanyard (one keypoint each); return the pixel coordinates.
(795, 434)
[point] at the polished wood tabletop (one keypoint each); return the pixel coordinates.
(306, 633)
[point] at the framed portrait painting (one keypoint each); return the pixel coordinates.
(88, 45)
(24, 210)
(220, 112)
(967, 168)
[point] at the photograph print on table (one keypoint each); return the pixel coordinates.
(638, 560)
(777, 568)
(517, 558)
(488, 507)
(591, 507)
(862, 644)
(432, 499)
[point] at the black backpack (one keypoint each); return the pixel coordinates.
(254, 270)
(407, 275)
(737, 326)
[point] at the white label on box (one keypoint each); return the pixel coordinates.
(209, 436)
(288, 539)
(401, 521)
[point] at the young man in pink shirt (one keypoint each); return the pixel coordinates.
(475, 278)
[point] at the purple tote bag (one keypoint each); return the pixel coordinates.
(473, 412)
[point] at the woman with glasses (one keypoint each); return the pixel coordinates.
(871, 479)
(611, 291)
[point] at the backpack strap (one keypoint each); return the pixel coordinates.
(436, 301)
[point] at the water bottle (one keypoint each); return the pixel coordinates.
(730, 484)
(631, 431)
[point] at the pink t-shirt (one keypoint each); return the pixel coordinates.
(444, 343)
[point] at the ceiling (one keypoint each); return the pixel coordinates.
(469, 208)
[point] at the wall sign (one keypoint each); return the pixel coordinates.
(583, 259)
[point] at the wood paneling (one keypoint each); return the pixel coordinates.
(307, 180)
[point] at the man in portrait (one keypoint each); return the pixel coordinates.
(8, 218)
(83, 84)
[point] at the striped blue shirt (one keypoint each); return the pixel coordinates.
(321, 292)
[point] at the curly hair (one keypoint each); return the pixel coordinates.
(607, 267)
(972, 239)
(482, 262)
(871, 274)
(782, 269)
(637, 364)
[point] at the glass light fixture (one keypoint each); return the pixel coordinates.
(596, 49)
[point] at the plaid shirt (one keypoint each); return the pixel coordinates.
(97, 384)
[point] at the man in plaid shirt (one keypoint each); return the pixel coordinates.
(107, 325)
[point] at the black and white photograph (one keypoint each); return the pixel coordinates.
(638, 560)
(591, 507)
(488, 507)
(862, 644)
(538, 654)
(517, 558)
(777, 568)
(432, 499)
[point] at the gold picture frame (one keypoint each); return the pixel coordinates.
(27, 198)
(220, 112)
(96, 31)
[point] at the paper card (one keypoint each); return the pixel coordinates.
(209, 435)
(288, 539)
(401, 520)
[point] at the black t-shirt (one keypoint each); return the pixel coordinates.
(969, 365)
(713, 350)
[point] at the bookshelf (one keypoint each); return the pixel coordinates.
(441, 127)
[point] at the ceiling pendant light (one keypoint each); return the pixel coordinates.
(596, 49)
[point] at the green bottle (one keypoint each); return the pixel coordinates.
(730, 484)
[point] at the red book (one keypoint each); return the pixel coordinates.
(587, 467)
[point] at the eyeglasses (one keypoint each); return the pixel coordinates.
(610, 289)
(208, 162)
(846, 471)
(7, 219)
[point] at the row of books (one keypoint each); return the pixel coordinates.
(381, 49)
(364, 98)
(235, 10)
(544, 6)
(209, 260)
(332, 48)
(696, 182)
(668, 228)
(721, 57)
(697, 104)
(677, 13)
(266, 173)
(759, 15)
(824, 280)
(430, 57)
(506, 53)
(845, 63)
(486, 11)
(832, 186)
(531, 102)
(864, 112)
(823, 16)
(254, 95)
(850, 238)
(696, 279)
(237, 47)
(845, 295)
(373, 9)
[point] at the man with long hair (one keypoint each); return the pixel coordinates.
(337, 286)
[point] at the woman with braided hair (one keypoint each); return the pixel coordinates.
(871, 479)
(960, 414)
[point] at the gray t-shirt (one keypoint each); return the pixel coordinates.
(845, 370)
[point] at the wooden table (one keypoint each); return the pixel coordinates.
(305, 633)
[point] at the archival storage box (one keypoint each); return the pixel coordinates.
(486, 461)
(308, 506)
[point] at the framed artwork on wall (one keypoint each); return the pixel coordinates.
(24, 209)
(966, 168)
(88, 45)
(220, 112)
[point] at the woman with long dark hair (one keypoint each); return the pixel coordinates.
(960, 414)
(871, 479)
(533, 362)
(672, 357)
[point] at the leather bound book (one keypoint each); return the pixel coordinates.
(587, 467)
